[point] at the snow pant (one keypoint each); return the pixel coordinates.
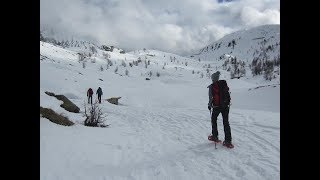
(225, 116)
(89, 97)
(99, 98)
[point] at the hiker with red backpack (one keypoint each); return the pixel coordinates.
(89, 95)
(219, 101)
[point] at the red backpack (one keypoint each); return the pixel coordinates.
(221, 95)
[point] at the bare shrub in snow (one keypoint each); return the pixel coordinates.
(145, 64)
(94, 115)
(106, 56)
(81, 57)
(110, 62)
(124, 64)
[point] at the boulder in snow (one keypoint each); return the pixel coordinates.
(114, 100)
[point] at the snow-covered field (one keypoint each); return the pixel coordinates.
(160, 128)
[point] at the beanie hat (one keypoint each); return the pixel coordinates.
(215, 76)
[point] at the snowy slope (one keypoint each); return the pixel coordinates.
(160, 128)
(244, 44)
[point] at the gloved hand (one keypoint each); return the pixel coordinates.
(209, 107)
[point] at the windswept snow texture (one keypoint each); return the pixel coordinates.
(159, 130)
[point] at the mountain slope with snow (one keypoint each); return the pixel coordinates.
(159, 130)
(247, 53)
(244, 44)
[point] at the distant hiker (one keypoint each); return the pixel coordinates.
(219, 101)
(99, 92)
(89, 94)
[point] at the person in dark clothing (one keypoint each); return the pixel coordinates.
(99, 92)
(217, 109)
(89, 95)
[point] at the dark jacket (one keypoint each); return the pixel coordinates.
(99, 91)
(89, 92)
(225, 101)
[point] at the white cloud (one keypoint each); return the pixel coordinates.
(252, 17)
(177, 26)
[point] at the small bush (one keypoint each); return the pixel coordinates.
(94, 116)
(110, 62)
(124, 64)
(81, 57)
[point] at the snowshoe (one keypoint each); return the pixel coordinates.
(228, 144)
(214, 139)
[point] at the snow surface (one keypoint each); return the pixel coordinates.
(159, 130)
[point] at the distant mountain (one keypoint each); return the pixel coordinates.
(245, 44)
(256, 49)
(76, 44)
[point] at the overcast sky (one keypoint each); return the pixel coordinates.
(177, 26)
